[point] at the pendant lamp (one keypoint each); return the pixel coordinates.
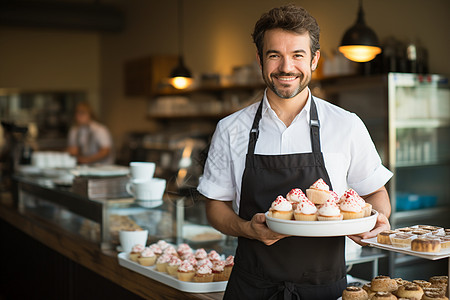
(180, 76)
(360, 43)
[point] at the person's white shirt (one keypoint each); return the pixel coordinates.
(350, 156)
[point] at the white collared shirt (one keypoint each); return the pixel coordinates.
(350, 156)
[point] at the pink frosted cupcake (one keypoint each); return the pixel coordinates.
(170, 250)
(352, 194)
(135, 252)
(173, 265)
(295, 196)
(202, 262)
(200, 254)
(162, 262)
(203, 274)
(163, 244)
(350, 209)
(319, 192)
(156, 249)
(186, 271)
(281, 209)
(184, 249)
(147, 257)
(213, 256)
(218, 270)
(229, 263)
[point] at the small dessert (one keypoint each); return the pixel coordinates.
(420, 232)
(352, 194)
(186, 271)
(203, 274)
(213, 256)
(305, 211)
(202, 262)
(156, 249)
(428, 295)
(191, 259)
(170, 250)
(350, 209)
(410, 290)
(383, 284)
(368, 288)
(354, 293)
(295, 196)
(229, 263)
(436, 290)
(383, 296)
(135, 251)
(183, 249)
(402, 240)
(401, 281)
(172, 265)
(318, 192)
(423, 244)
(147, 257)
(440, 282)
(422, 283)
(329, 212)
(406, 229)
(162, 262)
(163, 244)
(218, 270)
(384, 237)
(281, 209)
(200, 254)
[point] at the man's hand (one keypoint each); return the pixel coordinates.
(381, 225)
(261, 232)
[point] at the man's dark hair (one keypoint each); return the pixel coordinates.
(290, 18)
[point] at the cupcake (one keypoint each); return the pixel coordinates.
(352, 194)
(318, 192)
(350, 208)
(147, 257)
(213, 256)
(229, 263)
(218, 270)
(170, 250)
(135, 251)
(172, 265)
(281, 209)
(184, 249)
(162, 262)
(156, 249)
(295, 196)
(305, 211)
(186, 271)
(200, 254)
(329, 212)
(162, 244)
(203, 274)
(202, 262)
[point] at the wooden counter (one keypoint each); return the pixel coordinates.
(89, 255)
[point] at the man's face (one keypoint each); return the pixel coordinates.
(287, 63)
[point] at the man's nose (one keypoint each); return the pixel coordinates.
(287, 65)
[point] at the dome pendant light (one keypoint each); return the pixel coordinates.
(360, 43)
(180, 77)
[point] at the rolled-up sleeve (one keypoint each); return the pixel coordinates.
(217, 179)
(366, 173)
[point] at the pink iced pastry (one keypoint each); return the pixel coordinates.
(319, 192)
(165, 258)
(329, 211)
(138, 248)
(320, 185)
(281, 209)
(200, 254)
(147, 252)
(163, 244)
(213, 255)
(156, 249)
(351, 194)
(218, 266)
(295, 196)
(305, 211)
(204, 261)
(170, 250)
(185, 266)
(184, 249)
(229, 261)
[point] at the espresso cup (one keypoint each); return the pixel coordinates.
(152, 189)
(128, 239)
(142, 171)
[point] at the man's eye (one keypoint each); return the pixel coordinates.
(273, 56)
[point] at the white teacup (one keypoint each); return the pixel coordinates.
(142, 171)
(128, 239)
(152, 189)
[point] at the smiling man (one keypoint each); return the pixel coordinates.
(288, 140)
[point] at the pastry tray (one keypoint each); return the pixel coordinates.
(322, 228)
(427, 255)
(151, 272)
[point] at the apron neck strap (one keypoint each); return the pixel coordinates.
(314, 126)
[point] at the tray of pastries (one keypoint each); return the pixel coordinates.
(180, 266)
(426, 241)
(320, 213)
(386, 288)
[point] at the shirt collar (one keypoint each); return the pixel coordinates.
(305, 110)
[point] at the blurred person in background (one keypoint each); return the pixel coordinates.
(89, 141)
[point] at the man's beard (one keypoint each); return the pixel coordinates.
(287, 94)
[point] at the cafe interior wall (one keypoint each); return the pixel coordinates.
(216, 39)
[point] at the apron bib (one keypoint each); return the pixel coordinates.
(301, 267)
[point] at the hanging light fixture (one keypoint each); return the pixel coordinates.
(360, 43)
(180, 77)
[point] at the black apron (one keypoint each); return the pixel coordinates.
(294, 267)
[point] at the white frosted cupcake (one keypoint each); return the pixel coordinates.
(329, 211)
(172, 265)
(350, 209)
(186, 271)
(147, 257)
(162, 262)
(135, 252)
(352, 194)
(305, 211)
(318, 192)
(295, 196)
(281, 209)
